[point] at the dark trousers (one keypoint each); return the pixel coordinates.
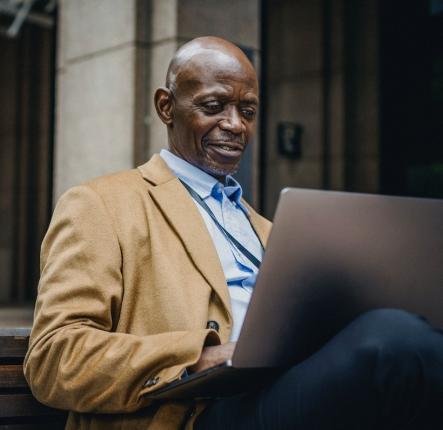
(383, 371)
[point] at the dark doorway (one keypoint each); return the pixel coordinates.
(26, 136)
(411, 76)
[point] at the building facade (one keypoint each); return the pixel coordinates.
(351, 98)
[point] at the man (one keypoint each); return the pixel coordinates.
(141, 284)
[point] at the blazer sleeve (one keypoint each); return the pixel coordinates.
(75, 359)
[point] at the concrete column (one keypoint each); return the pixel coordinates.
(99, 43)
(163, 41)
(322, 74)
(295, 94)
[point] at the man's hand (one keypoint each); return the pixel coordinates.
(212, 356)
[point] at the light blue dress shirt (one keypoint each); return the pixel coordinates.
(224, 201)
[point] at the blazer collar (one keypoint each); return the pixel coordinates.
(177, 206)
(156, 171)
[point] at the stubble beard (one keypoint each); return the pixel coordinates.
(219, 172)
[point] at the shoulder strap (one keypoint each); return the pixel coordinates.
(254, 260)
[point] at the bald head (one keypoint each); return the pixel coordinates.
(204, 52)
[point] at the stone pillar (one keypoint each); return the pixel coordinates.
(295, 94)
(162, 43)
(99, 46)
(321, 65)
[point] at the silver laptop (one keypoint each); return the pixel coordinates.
(331, 256)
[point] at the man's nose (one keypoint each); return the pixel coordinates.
(232, 121)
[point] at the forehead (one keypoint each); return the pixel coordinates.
(216, 69)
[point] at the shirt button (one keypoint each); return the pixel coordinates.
(152, 381)
(213, 325)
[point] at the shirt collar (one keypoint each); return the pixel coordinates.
(204, 184)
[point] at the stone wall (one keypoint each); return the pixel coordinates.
(321, 73)
(96, 97)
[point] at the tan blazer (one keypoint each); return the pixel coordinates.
(129, 279)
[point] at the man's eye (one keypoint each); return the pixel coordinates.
(248, 113)
(213, 107)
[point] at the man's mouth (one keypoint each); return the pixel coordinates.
(228, 144)
(227, 149)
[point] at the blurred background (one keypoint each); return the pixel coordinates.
(351, 92)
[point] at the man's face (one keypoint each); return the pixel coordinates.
(214, 112)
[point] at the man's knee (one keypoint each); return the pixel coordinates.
(393, 336)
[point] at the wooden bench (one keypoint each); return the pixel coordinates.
(19, 410)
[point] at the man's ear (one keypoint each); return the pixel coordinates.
(163, 104)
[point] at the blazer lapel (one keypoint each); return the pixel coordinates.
(179, 209)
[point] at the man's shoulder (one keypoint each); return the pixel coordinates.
(118, 190)
(116, 183)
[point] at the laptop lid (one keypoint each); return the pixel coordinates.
(332, 256)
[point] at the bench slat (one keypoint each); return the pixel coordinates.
(24, 405)
(19, 410)
(13, 346)
(33, 425)
(11, 376)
